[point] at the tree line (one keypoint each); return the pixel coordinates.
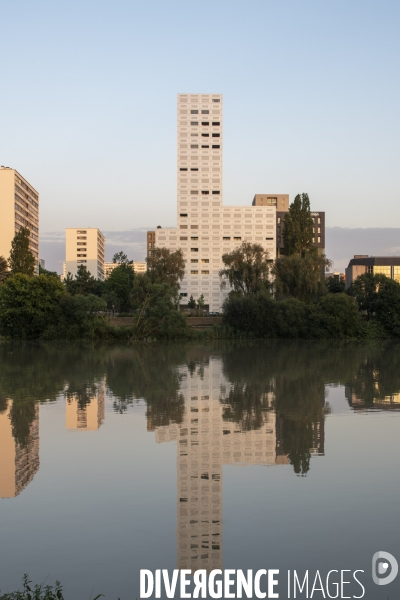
(286, 298)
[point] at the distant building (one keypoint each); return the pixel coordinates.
(18, 463)
(336, 274)
(138, 267)
(85, 246)
(151, 242)
(382, 265)
(19, 206)
(42, 263)
(319, 231)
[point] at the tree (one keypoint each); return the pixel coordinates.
(246, 269)
(192, 302)
(84, 283)
(121, 259)
(334, 284)
(166, 266)
(28, 305)
(43, 271)
(200, 303)
(3, 269)
(301, 278)
(298, 228)
(21, 258)
(119, 286)
(378, 297)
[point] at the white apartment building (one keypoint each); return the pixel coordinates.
(206, 228)
(19, 205)
(138, 267)
(84, 246)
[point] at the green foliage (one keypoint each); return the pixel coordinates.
(38, 592)
(118, 288)
(192, 302)
(3, 269)
(77, 318)
(378, 297)
(47, 272)
(157, 313)
(298, 228)
(121, 258)
(335, 316)
(301, 278)
(83, 283)
(21, 259)
(164, 266)
(28, 305)
(334, 284)
(246, 269)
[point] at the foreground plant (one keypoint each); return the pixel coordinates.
(38, 592)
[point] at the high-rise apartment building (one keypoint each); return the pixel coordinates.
(84, 246)
(206, 229)
(19, 207)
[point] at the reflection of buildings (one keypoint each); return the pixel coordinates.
(18, 463)
(390, 402)
(206, 442)
(86, 416)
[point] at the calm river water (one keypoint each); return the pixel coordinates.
(221, 456)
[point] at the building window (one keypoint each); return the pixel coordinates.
(183, 239)
(194, 260)
(194, 169)
(205, 135)
(205, 124)
(215, 135)
(205, 112)
(204, 192)
(194, 145)
(279, 220)
(215, 192)
(194, 192)
(81, 232)
(319, 239)
(319, 220)
(216, 123)
(216, 100)
(269, 239)
(183, 294)
(194, 112)
(194, 249)
(205, 146)
(194, 272)
(195, 123)
(183, 215)
(194, 239)
(226, 238)
(216, 146)
(183, 169)
(205, 272)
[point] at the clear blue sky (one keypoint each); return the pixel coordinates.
(311, 103)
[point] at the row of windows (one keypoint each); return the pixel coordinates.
(205, 123)
(25, 196)
(27, 188)
(194, 146)
(204, 192)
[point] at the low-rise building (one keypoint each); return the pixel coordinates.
(138, 267)
(378, 265)
(84, 246)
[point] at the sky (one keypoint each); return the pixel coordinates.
(311, 104)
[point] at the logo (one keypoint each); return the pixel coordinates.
(381, 561)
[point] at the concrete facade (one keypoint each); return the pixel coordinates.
(382, 265)
(84, 246)
(138, 267)
(206, 229)
(19, 205)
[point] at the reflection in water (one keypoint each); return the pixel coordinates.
(220, 426)
(19, 461)
(87, 415)
(223, 403)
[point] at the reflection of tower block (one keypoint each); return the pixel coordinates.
(18, 463)
(88, 417)
(205, 442)
(318, 431)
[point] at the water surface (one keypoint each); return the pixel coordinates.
(221, 456)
